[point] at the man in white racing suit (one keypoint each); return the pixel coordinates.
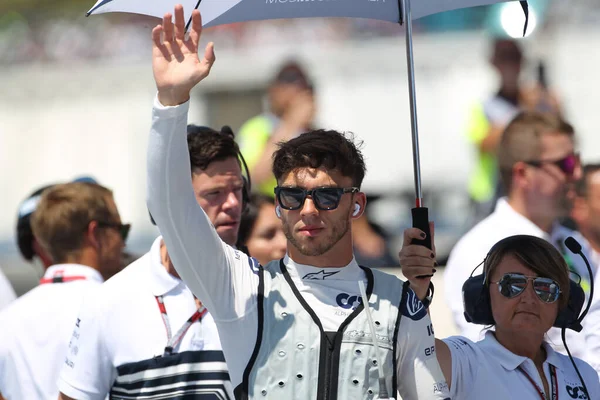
(297, 327)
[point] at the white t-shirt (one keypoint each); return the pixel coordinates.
(227, 282)
(7, 293)
(471, 250)
(487, 370)
(121, 323)
(35, 331)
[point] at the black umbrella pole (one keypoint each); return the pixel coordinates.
(420, 215)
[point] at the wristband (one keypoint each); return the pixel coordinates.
(429, 296)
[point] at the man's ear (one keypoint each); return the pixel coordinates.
(358, 209)
(520, 176)
(92, 233)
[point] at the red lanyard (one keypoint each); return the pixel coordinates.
(61, 279)
(174, 340)
(554, 383)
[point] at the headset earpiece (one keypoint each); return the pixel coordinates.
(245, 195)
(356, 210)
(278, 211)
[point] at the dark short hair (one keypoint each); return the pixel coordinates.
(292, 73)
(536, 254)
(207, 145)
(249, 217)
(522, 140)
(581, 186)
(329, 149)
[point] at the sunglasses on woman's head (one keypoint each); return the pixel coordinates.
(567, 164)
(325, 198)
(512, 285)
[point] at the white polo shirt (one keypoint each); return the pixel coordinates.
(35, 331)
(487, 370)
(471, 250)
(7, 293)
(121, 323)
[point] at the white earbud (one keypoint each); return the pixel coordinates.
(278, 211)
(356, 209)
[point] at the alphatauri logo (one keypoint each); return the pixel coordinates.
(346, 301)
(412, 307)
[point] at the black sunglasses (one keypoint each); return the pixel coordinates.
(512, 285)
(567, 164)
(122, 228)
(325, 198)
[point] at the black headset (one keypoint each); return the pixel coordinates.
(476, 293)
(478, 309)
(247, 188)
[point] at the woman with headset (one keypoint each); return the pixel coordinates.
(524, 291)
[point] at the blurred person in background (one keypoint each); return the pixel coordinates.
(538, 167)
(586, 211)
(28, 246)
(586, 214)
(489, 119)
(261, 233)
(79, 227)
(291, 112)
(169, 345)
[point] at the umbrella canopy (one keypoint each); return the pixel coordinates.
(219, 12)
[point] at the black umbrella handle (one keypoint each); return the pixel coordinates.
(420, 219)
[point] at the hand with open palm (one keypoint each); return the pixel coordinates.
(175, 62)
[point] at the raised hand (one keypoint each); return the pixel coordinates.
(417, 260)
(175, 62)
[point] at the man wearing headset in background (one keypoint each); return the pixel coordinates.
(168, 345)
(538, 166)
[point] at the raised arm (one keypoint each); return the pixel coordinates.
(205, 263)
(417, 260)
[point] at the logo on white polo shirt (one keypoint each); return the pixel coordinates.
(413, 308)
(576, 391)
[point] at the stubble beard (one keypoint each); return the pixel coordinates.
(317, 246)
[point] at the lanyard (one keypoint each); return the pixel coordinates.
(174, 340)
(554, 383)
(61, 279)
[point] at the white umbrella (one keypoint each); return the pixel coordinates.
(219, 12)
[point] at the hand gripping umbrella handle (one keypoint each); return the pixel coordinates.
(420, 219)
